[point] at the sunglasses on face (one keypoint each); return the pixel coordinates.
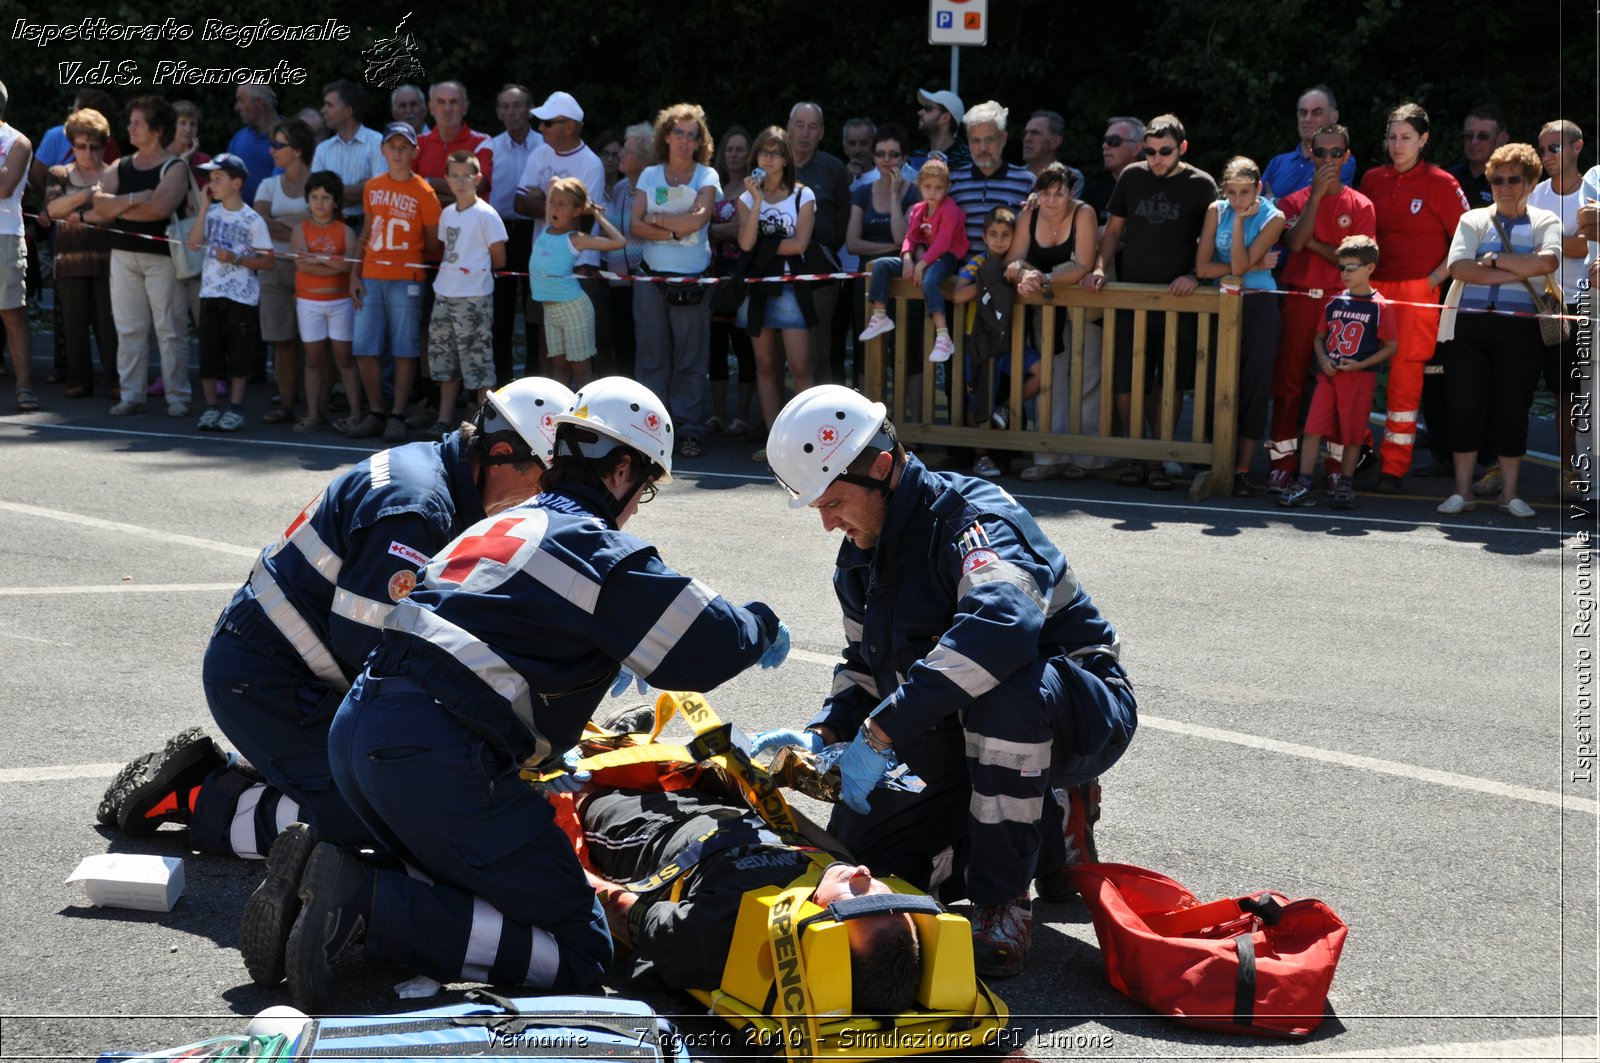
(1115, 140)
(88, 147)
(1349, 267)
(1163, 152)
(1550, 149)
(1477, 136)
(278, 145)
(686, 134)
(1329, 153)
(1513, 179)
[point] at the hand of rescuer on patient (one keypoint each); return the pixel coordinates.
(624, 677)
(862, 766)
(574, 780)
(784, 738)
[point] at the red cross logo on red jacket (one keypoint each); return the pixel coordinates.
(497, 545)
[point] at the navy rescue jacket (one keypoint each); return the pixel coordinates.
(518, 626)
(327, 585)
(962, 590)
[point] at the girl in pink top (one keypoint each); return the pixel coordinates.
(935, 244)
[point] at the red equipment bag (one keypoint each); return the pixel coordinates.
(1260, 964)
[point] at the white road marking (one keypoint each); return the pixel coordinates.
(1328, 756)
(189, 437)
(166, 537)
(59, 771)
(42, 642)
(119, 588)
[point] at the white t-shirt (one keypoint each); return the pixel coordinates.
(782, 216)
(546, 164)
(1590, 193)
(466, 269)
(287, 209)
(244, 232)
(11, 206)
(1566, 208)
(687, 254)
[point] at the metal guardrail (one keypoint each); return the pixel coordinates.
(920, 417)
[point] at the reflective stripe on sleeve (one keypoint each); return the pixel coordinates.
(1006, 572)
(961, 670)
(475, 656)
(1002, 808)
(362, 610)
(844, 679)
(483, 943)
(293, 627)
(1000, 753)
(670, 626)
(544, 959)
(1063, 592)
(853, 631)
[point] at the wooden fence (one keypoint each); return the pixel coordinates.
(923, 415)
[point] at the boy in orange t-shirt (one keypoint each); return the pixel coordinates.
(401, 225)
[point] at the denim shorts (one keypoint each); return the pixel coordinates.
(783, 310)
(391, 310)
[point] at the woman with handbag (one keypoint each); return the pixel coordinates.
(1500, 259)
(140, 198)
(83, 252)
(673, 203)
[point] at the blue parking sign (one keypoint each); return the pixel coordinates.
(945, 20)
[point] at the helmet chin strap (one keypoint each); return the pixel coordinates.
(889, 443)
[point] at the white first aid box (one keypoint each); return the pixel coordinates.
(123, 880)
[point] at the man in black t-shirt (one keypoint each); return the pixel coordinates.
(683, 943)
(1155, 215)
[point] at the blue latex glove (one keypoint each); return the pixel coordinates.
(785, 737)
(778, 652)
(624, 677)
(859, 771)
(574, 780)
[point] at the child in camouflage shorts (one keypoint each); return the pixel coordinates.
(460, 343)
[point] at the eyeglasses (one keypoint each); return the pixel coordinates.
(686, 134)
(1478, 135)
(1116, 140)
(887, 154)
(553, 121)
(925, 108)
(1551, 149)
(772, 153)
(1506, 179)
(1350, 267)
(1163, 152)
(279, 145)
(88, 147)
(647, 492)
(1330, 153)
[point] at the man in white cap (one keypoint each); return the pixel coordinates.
(564, 154)
(939, 116)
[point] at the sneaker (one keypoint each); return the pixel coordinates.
(1001, 418)
(942, 350)
(1279, 481)
(877, 325)
(178, 409)
(160, 787)
(1456, 504)
(1389, 484)
(231, 421)
(124, 408)
(209, 420)
(1487, 485)
(1242, 487)
(1082, 803)
(336, 892)
(270, 912)
(1173, 469)
(366, 428)
(1331, 484)
(985, 466)
(1297, 494)
(1517, 508)
(1344, 494)
(395, 430)
(1001, 934)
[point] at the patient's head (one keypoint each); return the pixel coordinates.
(885, 961)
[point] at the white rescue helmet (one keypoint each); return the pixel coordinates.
(528, 407)
(621, 410)
(817, 436)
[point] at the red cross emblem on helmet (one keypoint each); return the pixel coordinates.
(828, 436)
(652, 422)
(549, 420)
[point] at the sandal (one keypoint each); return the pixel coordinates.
(27, 401)
(1158, 479)
(1137, 475)
(278, 415)
(309, 423)
(689, 447)
(737, 427)
(714, 424)
(1072, 472)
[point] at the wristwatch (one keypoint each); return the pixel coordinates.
(1494, 259)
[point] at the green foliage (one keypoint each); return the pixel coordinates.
(1230, 69)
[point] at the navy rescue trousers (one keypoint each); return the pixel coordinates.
(277, 716)
(984, 825)
(493, 891)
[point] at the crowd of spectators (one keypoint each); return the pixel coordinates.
(1510, 227)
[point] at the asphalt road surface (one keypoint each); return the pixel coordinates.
(1370, 707)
